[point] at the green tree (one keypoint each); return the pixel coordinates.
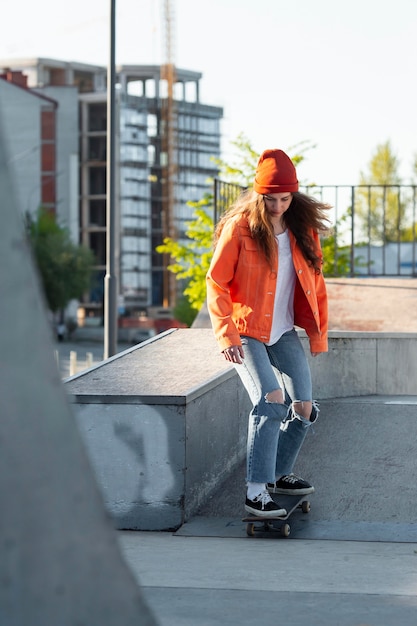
(65, 268)
(336, 258)
(378, 204)
(192, 260)
(240, 170)
(409, 233)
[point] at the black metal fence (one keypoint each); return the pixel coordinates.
(374, 227)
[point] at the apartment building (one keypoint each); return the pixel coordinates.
(150, 160)
(41, 139)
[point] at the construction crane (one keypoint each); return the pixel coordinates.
(168, 143)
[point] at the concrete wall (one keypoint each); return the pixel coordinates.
(165, 422)
(60, 563)
(362, 363)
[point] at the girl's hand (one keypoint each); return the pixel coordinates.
(234, 354)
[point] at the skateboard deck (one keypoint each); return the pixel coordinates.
(290, 503)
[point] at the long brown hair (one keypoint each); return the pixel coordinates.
(305, 214)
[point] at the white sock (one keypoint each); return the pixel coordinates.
(254, 489)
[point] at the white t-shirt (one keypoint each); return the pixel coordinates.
(283, 316)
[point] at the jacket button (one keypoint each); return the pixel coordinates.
(300, 271)
(308, 292)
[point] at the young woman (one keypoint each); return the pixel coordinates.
(264, 278)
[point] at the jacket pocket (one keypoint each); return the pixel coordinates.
(250, 255)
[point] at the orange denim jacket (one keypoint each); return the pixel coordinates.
(241, 290)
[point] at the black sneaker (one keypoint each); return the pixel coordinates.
(292, 485)
(264, 506)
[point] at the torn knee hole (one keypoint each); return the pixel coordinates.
(303, 408)
(275, 396)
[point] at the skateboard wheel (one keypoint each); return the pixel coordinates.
(250, 530)
(286, 530)
(306, 507)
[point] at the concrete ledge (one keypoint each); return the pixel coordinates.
(163, 423)
(364, 363)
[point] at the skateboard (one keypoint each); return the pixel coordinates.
(277, 524)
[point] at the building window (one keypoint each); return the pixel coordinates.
(97, 148)
(97, 181)
(97, 118)
(98, 246)
(56, 76)
(84, 81)
(97, 213)
(152, 125)
(151, 155)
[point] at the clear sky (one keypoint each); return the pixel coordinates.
(339, 74)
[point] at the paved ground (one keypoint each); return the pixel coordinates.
(76, 355)
(189, 581)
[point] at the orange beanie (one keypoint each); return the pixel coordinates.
(275, 173)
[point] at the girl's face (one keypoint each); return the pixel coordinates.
(277, 203)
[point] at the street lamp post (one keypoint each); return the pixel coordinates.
(110, 280)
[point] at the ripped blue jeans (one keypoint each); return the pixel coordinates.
(275, 431)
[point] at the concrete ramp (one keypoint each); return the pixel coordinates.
(362, 460)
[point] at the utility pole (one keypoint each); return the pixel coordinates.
(168, 142)
(110, 281)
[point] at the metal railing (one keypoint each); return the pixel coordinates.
(225, 194)
(374, 227)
